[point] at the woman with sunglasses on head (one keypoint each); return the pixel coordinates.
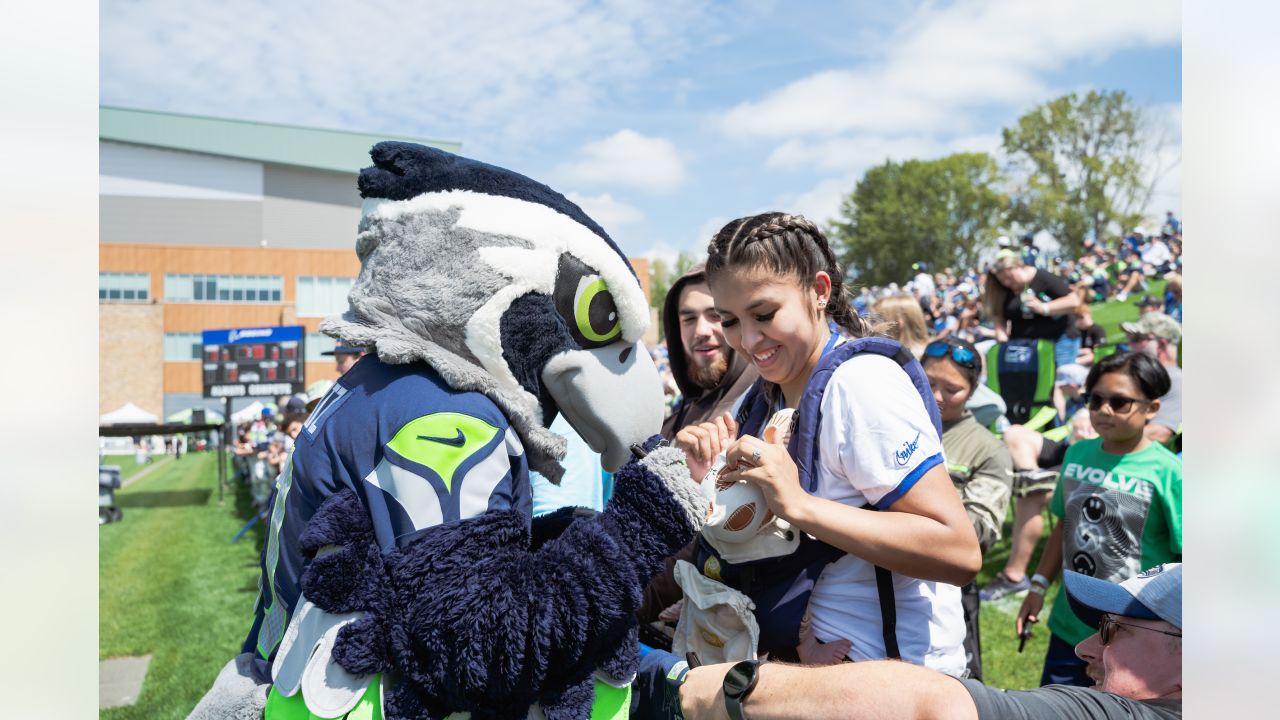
(1120, 500)
(881, 496)
(977, 461)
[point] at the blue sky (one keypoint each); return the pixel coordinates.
(662, 119)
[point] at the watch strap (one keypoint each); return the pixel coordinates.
(733, 700)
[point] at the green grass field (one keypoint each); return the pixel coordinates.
(128, 466)
(1111, 313)
(171, 586)
(1002, 665)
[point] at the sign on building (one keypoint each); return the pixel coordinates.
(254, 362)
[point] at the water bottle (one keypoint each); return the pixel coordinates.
(1027, 296)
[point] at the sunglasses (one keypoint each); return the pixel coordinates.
(1107, 629)
(1119, 404)
(960, 355)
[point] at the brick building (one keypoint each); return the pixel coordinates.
(208, 223)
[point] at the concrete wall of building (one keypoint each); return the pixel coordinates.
(179, 221)
(139, 171)
(130, 356)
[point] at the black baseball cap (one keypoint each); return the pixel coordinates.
(345, 349)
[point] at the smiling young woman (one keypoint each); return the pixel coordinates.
(883, 497)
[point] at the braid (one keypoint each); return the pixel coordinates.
(785, 244)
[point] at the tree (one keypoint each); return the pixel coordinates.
(1082, 164)
(943, 212)
(662, 276)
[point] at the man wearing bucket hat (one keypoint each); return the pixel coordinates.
(1135, 659)
(1158, 335)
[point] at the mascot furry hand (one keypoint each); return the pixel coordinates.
(402, 574)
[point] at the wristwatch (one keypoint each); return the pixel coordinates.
(738, 684)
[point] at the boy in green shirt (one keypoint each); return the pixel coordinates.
(1120, 499)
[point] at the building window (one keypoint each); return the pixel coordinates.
(318, 343)
(124, 287)
(180, 347)
(186, 287)
(319, 296)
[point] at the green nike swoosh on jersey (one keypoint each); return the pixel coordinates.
(430, 441)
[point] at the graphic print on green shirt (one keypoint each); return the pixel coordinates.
(1121, 514)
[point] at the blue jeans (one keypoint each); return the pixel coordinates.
(1062, 667)
(1065, 350)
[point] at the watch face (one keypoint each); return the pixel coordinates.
(740, 678)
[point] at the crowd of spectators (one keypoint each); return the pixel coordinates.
(1103, 457)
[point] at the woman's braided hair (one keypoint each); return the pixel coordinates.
(791, 245)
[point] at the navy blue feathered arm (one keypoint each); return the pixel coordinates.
(471, 618)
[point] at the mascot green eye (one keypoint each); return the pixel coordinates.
(594, 311)
(585, 303)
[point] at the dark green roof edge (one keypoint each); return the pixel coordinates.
(342, 151)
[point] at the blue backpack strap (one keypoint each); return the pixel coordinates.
(753, 411)
(804, 440)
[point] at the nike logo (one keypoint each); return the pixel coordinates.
(454, 441)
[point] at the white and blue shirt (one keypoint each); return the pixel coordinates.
(876, 441)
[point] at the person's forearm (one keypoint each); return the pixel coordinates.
(904, 543)
(1063, 305)
(1051, 560)
(874, 690)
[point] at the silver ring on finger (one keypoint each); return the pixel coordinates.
(755, 456)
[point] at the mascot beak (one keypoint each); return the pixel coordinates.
(611, 396)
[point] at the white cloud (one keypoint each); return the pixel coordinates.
(821, 202)
(1166, 128)
(661, 250)
(627, 158)
(949, 61)
(607, 211)
(484, 72)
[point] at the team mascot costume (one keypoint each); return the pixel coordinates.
(402, 574)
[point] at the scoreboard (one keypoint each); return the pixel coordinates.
(254, 362)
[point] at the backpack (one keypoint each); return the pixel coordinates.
(1023, 372)
(780, 586)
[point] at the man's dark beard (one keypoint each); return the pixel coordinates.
(709, 378)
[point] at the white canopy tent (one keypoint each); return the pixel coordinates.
(249, 412)
(128, 414)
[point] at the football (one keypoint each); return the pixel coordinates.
(741, 517)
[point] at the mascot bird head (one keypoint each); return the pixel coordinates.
(504, 287)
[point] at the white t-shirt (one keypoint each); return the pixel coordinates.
(876, 442)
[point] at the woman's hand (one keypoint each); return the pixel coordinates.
(1029, 613)
(701, 443)
(772, 470)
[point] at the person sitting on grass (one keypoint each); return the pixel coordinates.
(1133, 655)
(977, 461)
(1120, 500)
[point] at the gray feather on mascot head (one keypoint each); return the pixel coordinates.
(507, 288)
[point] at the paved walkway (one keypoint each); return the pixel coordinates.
(120, 680)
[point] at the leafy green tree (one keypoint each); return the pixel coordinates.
(943, 212)
(663, 275)
(1083, 166)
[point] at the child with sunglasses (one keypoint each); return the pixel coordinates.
(1120, 500)
(979, 464)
